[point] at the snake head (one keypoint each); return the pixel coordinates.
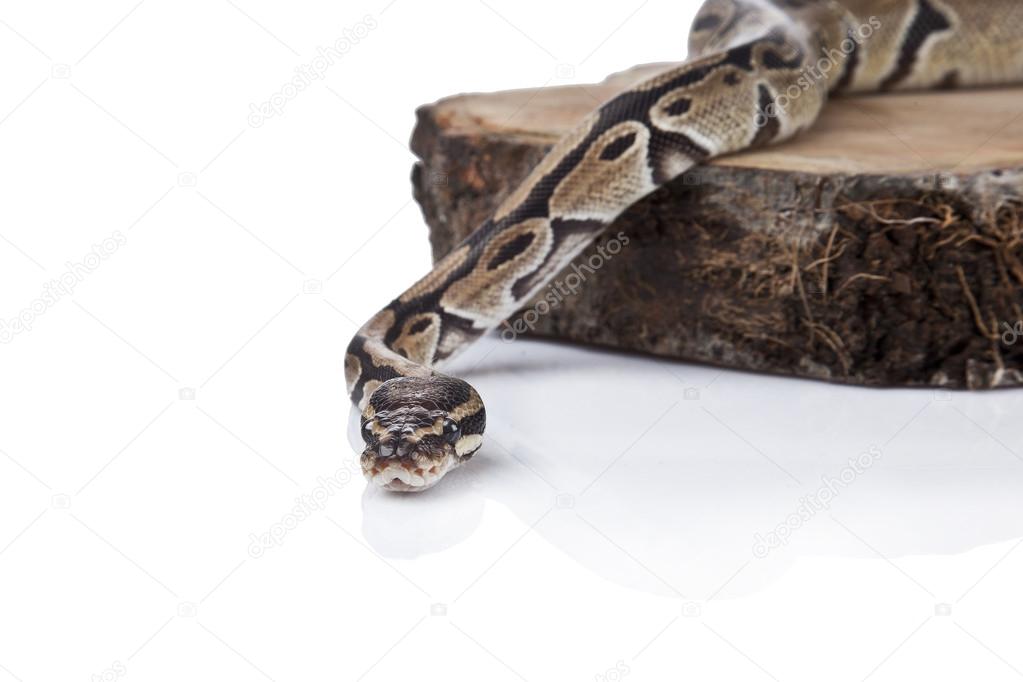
(418, 429)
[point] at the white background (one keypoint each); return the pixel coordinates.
(189, 389)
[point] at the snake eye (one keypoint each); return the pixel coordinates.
(367, 431)
(451, 431)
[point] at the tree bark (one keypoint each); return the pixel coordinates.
(883, 247)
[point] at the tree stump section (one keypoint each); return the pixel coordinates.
(882, 248)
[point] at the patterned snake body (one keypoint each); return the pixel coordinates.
(759, 72)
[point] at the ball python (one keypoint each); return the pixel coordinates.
(759, 72)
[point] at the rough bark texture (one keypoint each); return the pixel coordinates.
(885, 247)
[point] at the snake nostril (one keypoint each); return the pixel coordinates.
(404, 448)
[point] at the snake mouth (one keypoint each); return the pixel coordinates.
(404, 475)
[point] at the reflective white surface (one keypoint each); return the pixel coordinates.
(633, 494)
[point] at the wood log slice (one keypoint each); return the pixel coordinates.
(884, 247)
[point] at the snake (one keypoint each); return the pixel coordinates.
(758, 72)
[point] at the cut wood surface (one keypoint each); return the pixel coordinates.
(883, 247)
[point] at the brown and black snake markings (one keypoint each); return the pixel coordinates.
(759, 72)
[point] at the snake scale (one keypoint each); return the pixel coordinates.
(759, 72)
